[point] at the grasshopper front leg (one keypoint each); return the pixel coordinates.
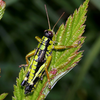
(38, 39)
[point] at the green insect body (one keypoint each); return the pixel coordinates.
(38, 65)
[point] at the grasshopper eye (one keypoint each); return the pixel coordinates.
(50, 33)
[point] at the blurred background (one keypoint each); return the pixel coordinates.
(25, 19)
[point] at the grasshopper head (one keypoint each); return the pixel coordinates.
(49, 33)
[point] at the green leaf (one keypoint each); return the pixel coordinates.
(62, 61)
(87, 62)
(2, 96)
(18, 91)
(2, 8)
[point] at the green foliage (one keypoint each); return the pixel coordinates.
(18, 90)
(2, 8)
(2, 96)
(86, 64)
(62, 61)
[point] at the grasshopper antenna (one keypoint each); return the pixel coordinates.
(58, 21)
(47, 16)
